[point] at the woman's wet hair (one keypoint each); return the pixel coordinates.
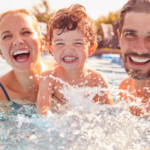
(27, 13)
(72, 18)
(139, 6)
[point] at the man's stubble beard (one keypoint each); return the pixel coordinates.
(135, 73)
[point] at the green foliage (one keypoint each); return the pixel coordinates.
(112, 16)
(42, 11)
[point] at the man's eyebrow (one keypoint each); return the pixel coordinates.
(129, 30)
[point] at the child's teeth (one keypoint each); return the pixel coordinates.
(69, 58)
(20, 52)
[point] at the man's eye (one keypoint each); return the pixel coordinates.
(130, 34)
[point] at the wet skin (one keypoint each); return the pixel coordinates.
(135, 50)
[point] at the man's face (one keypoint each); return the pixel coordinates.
(135, 45)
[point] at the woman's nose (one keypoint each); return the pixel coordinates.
(17, 41)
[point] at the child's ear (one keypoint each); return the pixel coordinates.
(1, 54)
(50, 49)
(92, 49)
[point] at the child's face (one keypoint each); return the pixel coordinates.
(70, 49)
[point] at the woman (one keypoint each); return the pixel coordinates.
(20, 45)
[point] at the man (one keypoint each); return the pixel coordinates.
(134, 39)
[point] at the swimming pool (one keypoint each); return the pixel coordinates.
(86, 126)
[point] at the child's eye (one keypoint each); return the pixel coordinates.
(59, 44)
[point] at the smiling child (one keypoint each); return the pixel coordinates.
(71, 39)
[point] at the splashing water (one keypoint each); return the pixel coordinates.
(83, 126)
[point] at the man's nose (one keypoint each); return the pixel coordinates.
(141, 46)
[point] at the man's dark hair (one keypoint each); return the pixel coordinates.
(142, 6)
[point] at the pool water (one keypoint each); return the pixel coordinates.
(85, 125)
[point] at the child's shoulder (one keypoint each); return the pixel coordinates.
(96, 74)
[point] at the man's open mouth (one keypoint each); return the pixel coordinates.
(21, 55)
(139, 61)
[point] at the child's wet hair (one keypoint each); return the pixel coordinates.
(72, 18)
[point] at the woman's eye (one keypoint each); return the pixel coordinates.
(6, 36)
(26, 32)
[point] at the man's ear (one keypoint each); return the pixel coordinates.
(92, 49)
(118, 36)
(1, 54)
(50, 49)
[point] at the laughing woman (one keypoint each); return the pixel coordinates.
(20, 45)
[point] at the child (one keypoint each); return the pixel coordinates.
(71, 39)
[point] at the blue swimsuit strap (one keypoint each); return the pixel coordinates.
(14, 104)
(5, 92)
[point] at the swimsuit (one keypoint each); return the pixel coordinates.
(14, 105)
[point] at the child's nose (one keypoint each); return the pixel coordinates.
(69, 48)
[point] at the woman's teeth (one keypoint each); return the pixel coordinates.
(69, 58)
(140, 60)
(20, 52)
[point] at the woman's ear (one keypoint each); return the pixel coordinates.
(92, 49)
(1, 54)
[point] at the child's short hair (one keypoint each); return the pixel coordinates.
(71, 18)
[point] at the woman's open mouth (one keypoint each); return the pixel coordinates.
(21, 56)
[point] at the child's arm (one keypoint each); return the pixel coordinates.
(44, 103)
(105, 97)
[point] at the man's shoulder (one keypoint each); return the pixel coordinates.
(125, 83)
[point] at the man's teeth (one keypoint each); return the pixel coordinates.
(20, 52)
(140, 60)
(69, 58)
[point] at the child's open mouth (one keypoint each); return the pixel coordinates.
(69, 58)
(21, 56)
(139, 61)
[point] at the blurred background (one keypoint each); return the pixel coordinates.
(105, 13)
